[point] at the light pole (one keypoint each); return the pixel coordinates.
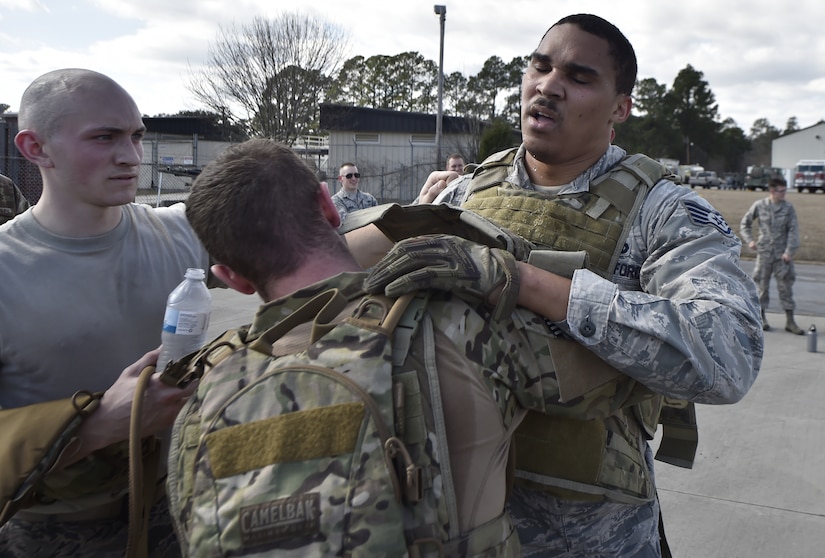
(441, 11)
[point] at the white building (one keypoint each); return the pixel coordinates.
(788, 150)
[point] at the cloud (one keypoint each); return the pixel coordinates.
(28, 5)
(762, 59)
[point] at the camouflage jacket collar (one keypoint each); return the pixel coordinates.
(581, 183)
(350, 284)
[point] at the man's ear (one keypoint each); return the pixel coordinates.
(327, 206)
(622, 110)
(31, 147)
(232, 279)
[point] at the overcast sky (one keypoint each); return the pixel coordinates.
(762, 59)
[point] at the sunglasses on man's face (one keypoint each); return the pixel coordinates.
(351, 174)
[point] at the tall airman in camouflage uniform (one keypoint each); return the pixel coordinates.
(12, 200)
(676, 312)
(288, 249)
(775, 246)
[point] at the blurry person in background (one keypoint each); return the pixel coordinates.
(775, 246)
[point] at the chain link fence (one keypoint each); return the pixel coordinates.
(25, 174)
(399, 184)
(156, 186)
(393, 168)
(383, 174)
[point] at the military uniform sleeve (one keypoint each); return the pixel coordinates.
(12, 200)
(746, 224)
(455, 192)
(34, 437)
(693, 330)
(793, 232)
(340, 207)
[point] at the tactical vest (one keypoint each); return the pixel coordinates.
(599, 459)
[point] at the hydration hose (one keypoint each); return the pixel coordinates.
(141, 480)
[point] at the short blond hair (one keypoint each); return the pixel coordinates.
(47, 99)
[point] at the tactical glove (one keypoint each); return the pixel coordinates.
(448, 263)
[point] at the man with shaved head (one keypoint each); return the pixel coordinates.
(86, 274)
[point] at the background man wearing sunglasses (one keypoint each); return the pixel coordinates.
(349, 197)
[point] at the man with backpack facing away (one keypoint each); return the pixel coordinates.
(262, 214)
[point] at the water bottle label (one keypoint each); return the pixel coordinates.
(185, 323)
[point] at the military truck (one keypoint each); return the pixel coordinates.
(757, 177)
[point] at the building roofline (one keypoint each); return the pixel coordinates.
(336, 117)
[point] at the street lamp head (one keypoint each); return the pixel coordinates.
(440, 9)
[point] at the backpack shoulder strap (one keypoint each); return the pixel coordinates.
(192, 367)
(376, 312)
(321, 310)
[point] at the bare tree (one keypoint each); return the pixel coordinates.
(271, 74)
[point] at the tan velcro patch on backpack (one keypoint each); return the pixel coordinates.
(298, 436)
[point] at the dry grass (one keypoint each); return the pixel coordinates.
(810, 210)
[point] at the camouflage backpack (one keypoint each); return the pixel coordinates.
(338, 450)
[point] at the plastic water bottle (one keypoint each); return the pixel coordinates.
(186, 318)
(812, 339)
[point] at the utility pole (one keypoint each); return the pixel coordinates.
(441, 11)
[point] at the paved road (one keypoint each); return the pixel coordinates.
(808, 290)
(757, 489)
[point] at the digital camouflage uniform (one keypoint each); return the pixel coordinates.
(346, 203)
(778, 235)
(677, 314)
(510, 357)
(103, 538)
(12, 200)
